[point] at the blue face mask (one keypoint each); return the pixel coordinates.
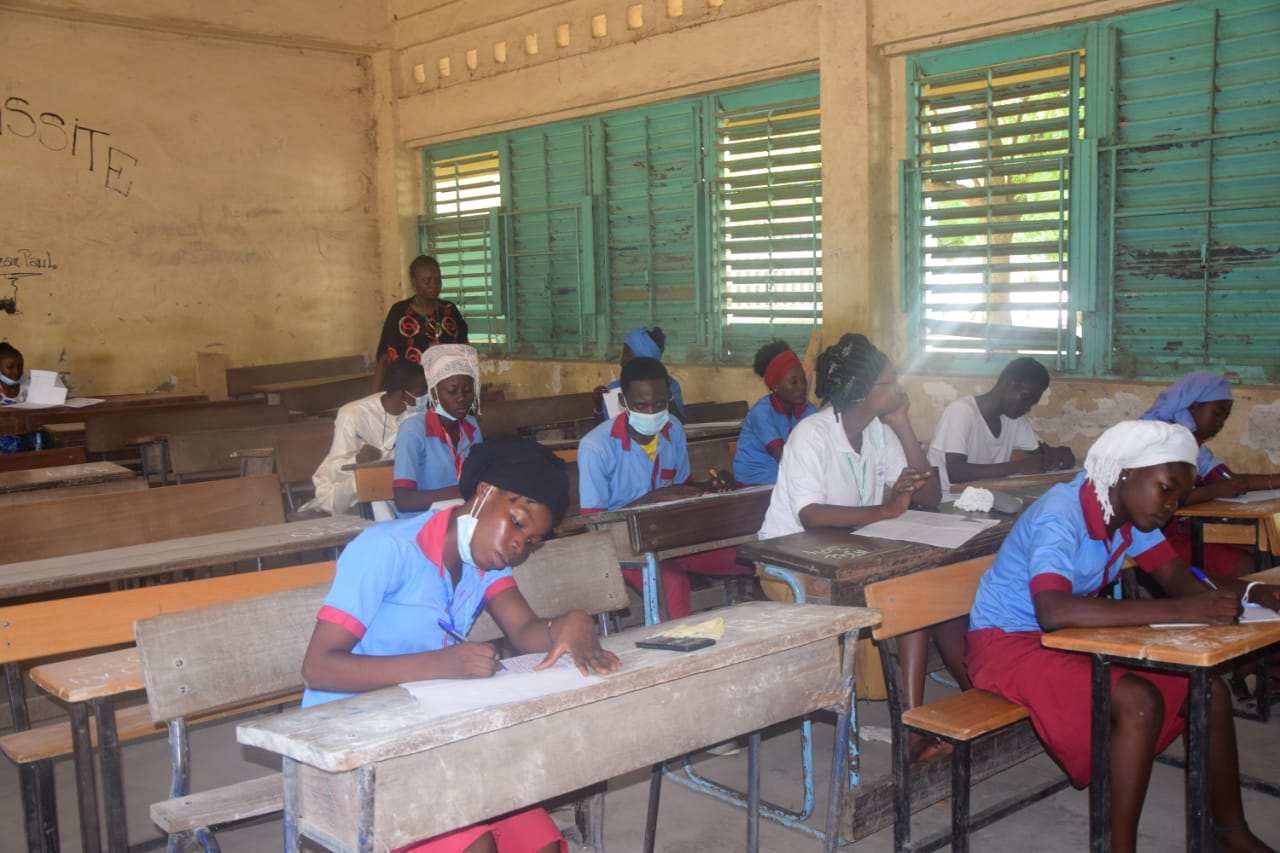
(10, 382)
(419, 404)
(647, 423)
(439, 410)
(466, 525)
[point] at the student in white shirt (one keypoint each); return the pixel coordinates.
(855, 462)
(977, 435)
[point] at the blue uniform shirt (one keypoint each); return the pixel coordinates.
(391, 588)
(425, 455)
(766, 427)
(1060, 542)
(613, 470)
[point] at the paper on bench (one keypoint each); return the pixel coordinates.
(930, 528)
(445, 696)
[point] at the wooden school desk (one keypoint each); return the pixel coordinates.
(26, 420)
(1259, 519)
(1194, 651)
(1019, 482)
(651, 533)
(353, 768)
(55, 574)
(84, 474)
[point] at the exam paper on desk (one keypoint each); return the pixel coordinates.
(930, 528)
(446, 696)
(1254, 497)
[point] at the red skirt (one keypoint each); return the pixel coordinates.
(1056, 688)
(520, 832)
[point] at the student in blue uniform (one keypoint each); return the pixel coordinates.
(641, 457)
(431, 447)
(771, 419)
(13, 385)
(642, 343)
(1063, 551)
(395, 581)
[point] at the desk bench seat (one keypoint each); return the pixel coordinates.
(964, 716)
(230, 803)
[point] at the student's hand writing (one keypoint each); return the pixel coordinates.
(368, 453)
(1217, 607)
(1055, 458)
(719, 481)
(575, 634)
(1224, 488)
(467, 660)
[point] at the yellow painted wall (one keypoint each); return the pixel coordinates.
(219, 194)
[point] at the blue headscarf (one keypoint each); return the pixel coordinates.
(1172, 404)
(642, 346)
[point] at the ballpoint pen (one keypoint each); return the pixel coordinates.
(1203, 578)
(448, 629)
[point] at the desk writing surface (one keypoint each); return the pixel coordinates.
(24, 420)
(1019, 482)
(1206, 645)
(385, 724)
(54, 574)
(62, 475)
(1231, 509)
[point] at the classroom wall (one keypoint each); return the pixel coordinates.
(183, 176)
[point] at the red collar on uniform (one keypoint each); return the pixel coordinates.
(797, 411)
(435, 428)
(619, 431)
(1093, 523)
(431, 538)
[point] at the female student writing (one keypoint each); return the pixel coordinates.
(977, 435)
(419, 322)
(640, 457)
(855, 462)
(396, 581)
(365, 431)
(1202, 402)
(431, 447)
(773, 417)
(642, 343)
(1062, 552)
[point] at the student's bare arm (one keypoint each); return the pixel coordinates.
(420, 500)
(929, 493)
(832, 515)
(330, 665)
(1060, 609)
(961, 470)
(573, 633)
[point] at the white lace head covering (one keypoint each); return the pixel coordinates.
(441, 361)
(1135, 444)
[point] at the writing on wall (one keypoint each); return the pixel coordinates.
(83, 144)
(18, 264)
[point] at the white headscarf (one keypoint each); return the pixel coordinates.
(1135, 444)
(441, 361)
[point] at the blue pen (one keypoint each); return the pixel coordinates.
(448, 629)
(1203, 578)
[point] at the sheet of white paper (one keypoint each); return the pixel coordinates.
(81, 402)
(44, 387)
(612, 403)
(27, 404)
(1258, 613)
(930, 528)
(1255, 497)
(1179, 624)
(443, 697)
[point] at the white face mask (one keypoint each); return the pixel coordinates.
(648, 423)
(440, 412)
(419, 404)
(467, 529)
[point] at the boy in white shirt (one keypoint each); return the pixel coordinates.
(977, 435)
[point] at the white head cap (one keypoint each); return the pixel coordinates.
(1135, 444)
(441, 361)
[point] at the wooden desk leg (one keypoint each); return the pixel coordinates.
(289, 770)
(365, 778)
(112, 775)
(86, 784)
(753, 793)
(1100, 785)
(39, 800)
(655, 597)
(846, 732)
(1199, 825)
(651, 816)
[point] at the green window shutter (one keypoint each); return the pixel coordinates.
(651, 183)
(986, 209)
(768, 234)
(1193, 174)
(464, 193)
(547, 239)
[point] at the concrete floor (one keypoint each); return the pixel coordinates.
(695, 823)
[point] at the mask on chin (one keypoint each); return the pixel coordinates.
(418, 405)
(466, 526)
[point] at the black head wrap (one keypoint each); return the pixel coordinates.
(519, 465)
(847, 371)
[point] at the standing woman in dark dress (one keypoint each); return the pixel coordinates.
(419, 322)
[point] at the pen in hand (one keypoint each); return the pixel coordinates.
(448, 629)
(1203, 578)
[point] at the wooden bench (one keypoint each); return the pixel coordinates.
(242, 381)
(298, 454)
(699, 413)
(564, 410)
(914, 603)
(207, 454)
(133, 484)
(42, 458)
(53, 528)
(373, 484)
(45, 629)
(319, 394)
(251, 651)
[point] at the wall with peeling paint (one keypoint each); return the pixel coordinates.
(165, 193)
